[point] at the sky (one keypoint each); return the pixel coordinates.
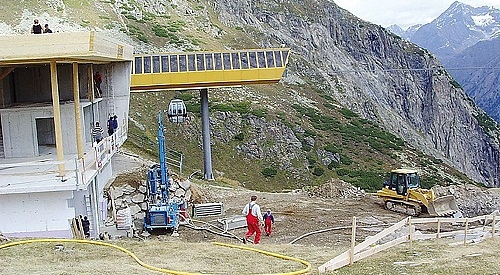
(404, 13)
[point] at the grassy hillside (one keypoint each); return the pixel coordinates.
(366, 151)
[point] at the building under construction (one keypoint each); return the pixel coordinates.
(51, 168)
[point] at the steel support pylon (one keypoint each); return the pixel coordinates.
(205, 132)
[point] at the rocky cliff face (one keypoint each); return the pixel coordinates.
(379, 76)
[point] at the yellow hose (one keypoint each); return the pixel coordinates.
(163, 270)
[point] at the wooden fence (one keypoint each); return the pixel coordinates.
(371, 245)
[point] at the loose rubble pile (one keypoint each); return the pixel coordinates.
(134, 199)
(336, 188)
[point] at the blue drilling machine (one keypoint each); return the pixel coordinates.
(162, 211)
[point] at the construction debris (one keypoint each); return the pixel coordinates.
(3, 238)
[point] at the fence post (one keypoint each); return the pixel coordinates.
(353, 241)
(493, 226)
(410, 236)
(466, 229)
(438, 235)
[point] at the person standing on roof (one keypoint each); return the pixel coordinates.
(268, 222)
(254, 220)
(37, 28)
(47, 29)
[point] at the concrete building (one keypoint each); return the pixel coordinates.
(51, 169)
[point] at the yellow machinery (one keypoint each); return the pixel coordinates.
(403, 194)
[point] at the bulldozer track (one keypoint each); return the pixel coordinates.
(405, 207)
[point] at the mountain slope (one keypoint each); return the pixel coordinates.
(304, 130)
(423, 107)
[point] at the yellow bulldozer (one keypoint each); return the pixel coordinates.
(402, 193)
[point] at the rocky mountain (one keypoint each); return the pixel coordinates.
(405, 34)
(458, 28)
(355, 100)
(458, 36)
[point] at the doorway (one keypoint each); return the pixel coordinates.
(46, 135)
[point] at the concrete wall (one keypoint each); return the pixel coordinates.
(116, 91)
(20, 130)
(36, 214)
(32, 84)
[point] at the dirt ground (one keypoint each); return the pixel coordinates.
(297, 213)
(330, 206)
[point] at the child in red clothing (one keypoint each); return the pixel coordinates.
(268, 222)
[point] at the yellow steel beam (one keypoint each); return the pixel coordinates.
(57, 117)
(78, 119)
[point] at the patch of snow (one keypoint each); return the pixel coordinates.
(483, 20)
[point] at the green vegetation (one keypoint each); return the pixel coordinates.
(455, 84)
(370, 181)
(184, 96)
(348, 113)
(160, 31)
(242, 108)
(318, 171)
(85, 23)
(486, 122)
(357, 130)
(269, 172)
(262, 113)
(239, 136)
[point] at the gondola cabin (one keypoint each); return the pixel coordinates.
(177, 112)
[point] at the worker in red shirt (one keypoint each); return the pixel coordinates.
(268, 222)
(254, 220)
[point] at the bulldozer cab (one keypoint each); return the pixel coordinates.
(403, 179)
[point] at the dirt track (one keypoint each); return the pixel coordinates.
(297, 213)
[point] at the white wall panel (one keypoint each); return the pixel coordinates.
(35, 212)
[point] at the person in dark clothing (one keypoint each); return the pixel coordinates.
(47, 30)
(111, 129)
(268, 222)
(115, 123)
(37, 28)
(97, 83)
(86, 227)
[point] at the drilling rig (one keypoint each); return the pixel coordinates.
(162, 210)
